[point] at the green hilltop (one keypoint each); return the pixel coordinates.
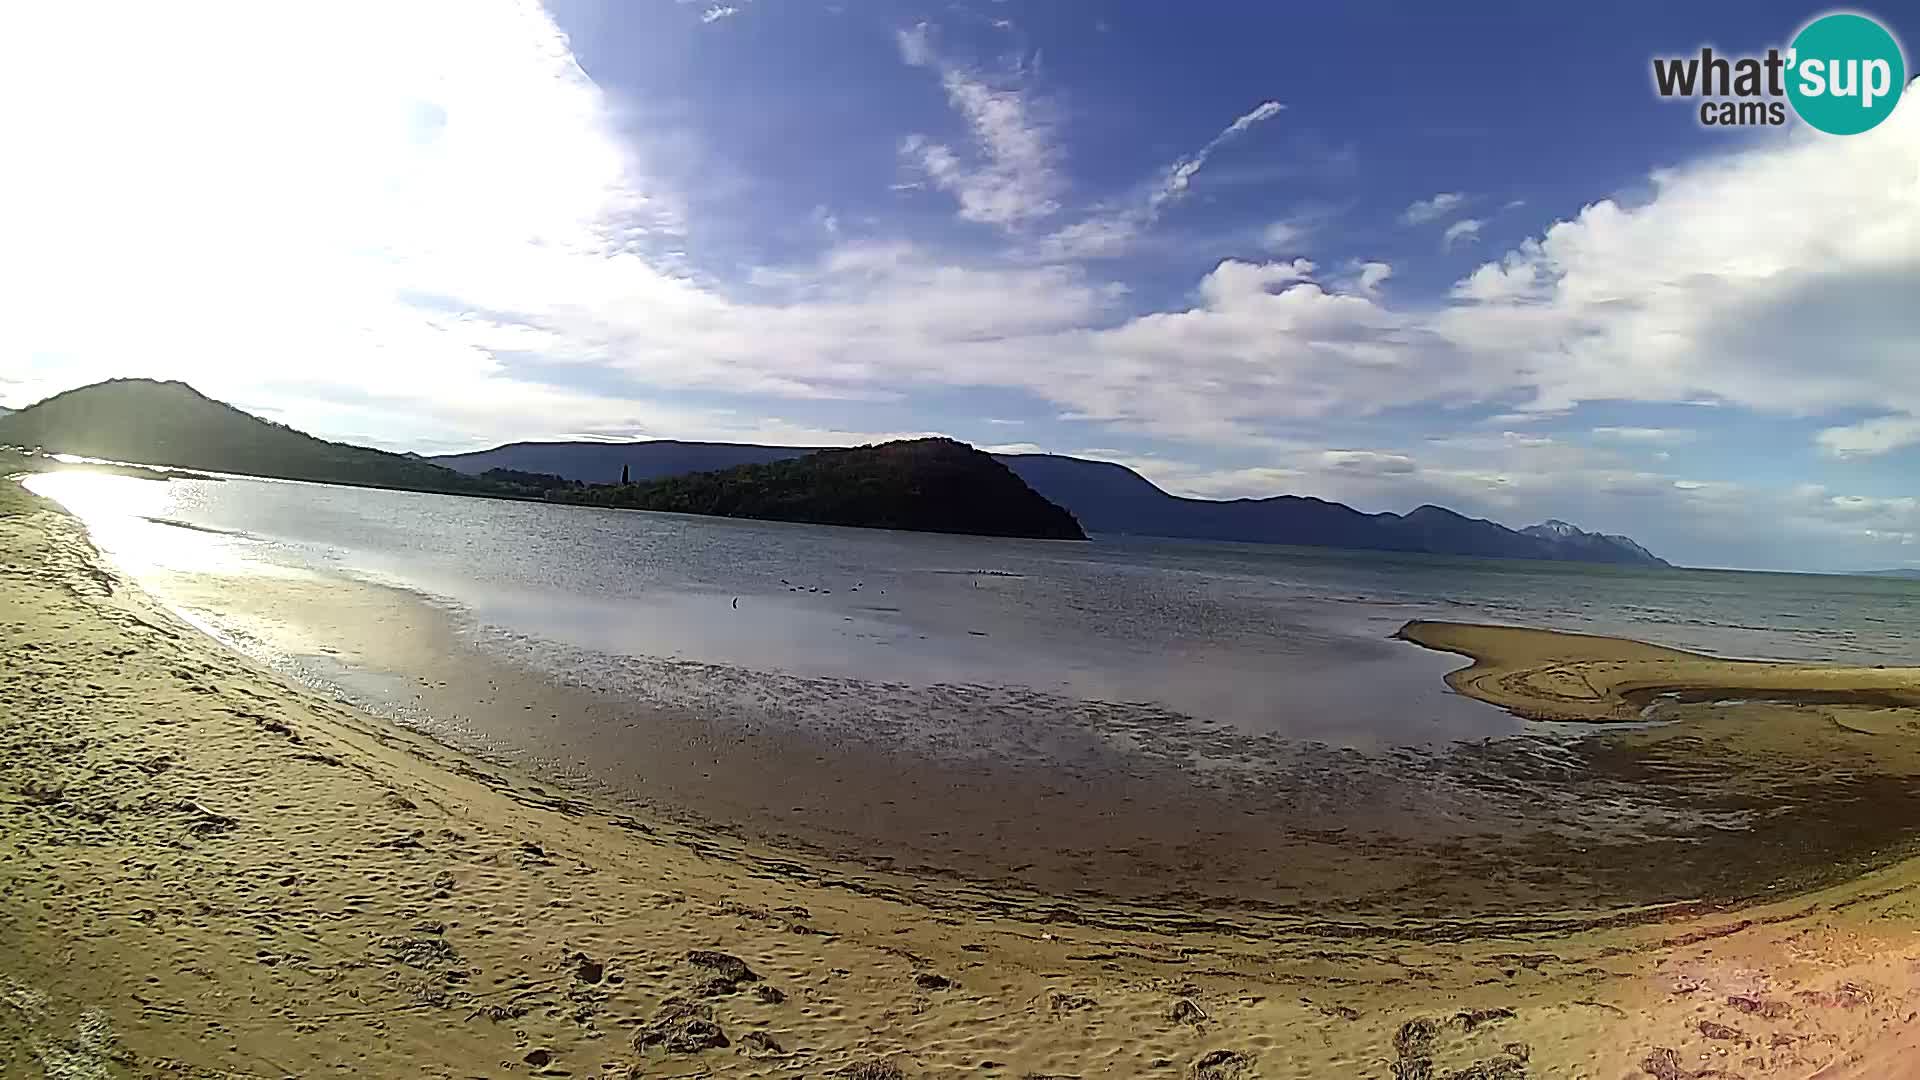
(924, 485)
(929, 485)
(172, 424)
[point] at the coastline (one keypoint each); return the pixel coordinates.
(1557, 676)
(209, 867)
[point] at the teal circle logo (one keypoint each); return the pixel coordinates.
(1845, 74)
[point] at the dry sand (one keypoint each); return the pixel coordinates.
(205, 871)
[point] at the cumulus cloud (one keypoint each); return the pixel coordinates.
(1771, 277)
(1422, 211)
(1513, 278)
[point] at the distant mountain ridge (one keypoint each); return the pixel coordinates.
(935, 485)
(1112, 499)
(601, 462)
(170, 423)
(1559, 532)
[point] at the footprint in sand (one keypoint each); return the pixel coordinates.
(680, 1026)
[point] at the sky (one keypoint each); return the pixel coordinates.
(1384, 253)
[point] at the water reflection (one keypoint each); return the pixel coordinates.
(132, 520)
(879, 609)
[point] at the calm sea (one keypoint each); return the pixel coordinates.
(1279, 641)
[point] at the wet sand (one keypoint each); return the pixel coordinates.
(209, 871)
(1547, 675)
(1098, 801)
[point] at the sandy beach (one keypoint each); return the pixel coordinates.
(1579, 677)
(208, 871)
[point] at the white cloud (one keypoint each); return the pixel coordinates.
(1519, 418)
(1289, 235)
(1514, 278)
(1205, 482)
(1466, 229)
(1234, 284)
(377, 257)
(1776, 277)
(1518, 479)
(1017, 179)
(1180, 175)
(1370, 462)
(1265, 344)
(1098, 237)
(385, 253)
(1112, 233)
(1869, 438)
(276, 254)
(1370, 276)
(1660, 436)
(916, 45)
(1266, 110)
(453, 214)
(1646, 303)
(1422, 211)
(717, 12)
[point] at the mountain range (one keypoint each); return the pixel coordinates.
(1111, 499)
(926, 484)
(930, 485)
(171, 423)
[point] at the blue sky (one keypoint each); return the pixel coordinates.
(1382, 253)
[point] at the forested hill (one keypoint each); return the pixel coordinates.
(171, 423)
(924, 485)
(930, 485)
(1112, 500)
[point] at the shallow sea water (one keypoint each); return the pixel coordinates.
(1271, 640)
(1129, 716)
